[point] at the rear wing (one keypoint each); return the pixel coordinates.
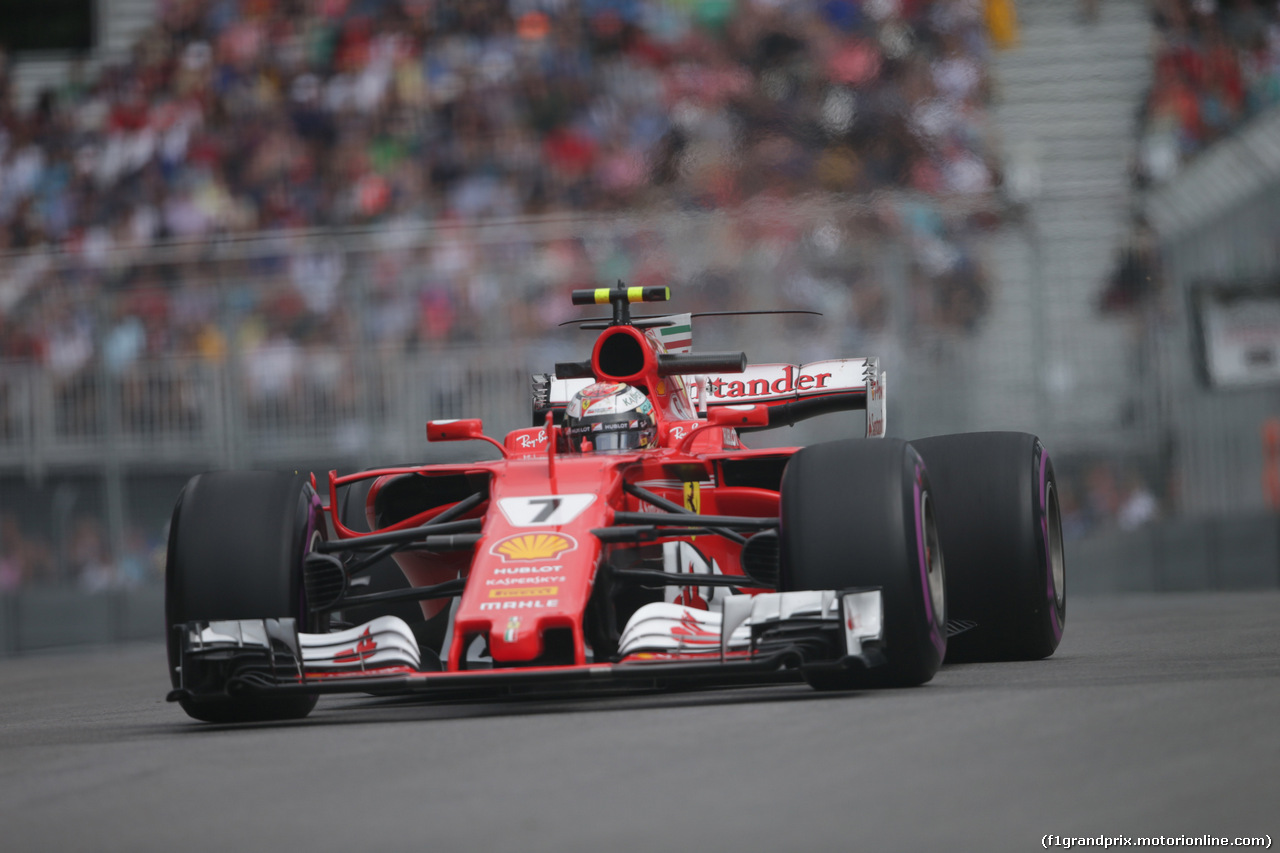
(793, 392)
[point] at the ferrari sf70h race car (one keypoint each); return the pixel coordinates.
(627, 540)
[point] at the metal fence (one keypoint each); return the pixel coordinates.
(181, 412)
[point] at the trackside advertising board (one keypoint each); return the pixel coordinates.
(1238, 334)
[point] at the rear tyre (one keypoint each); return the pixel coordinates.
(237, 540)
(1001, 529)
(859, 513)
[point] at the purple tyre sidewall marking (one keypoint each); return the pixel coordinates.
(934, 636)
(1050, 586)
(314, 512)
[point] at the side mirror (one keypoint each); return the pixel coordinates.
(755, 415)
(455, 430)
(461, 430)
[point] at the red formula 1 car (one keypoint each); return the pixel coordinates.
(628, 540)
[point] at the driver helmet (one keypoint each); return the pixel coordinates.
(610, 417)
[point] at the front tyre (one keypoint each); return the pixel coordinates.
(860, 513)
(237, 541)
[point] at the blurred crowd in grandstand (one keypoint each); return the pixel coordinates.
(241, 115)
(238, 117)
(1217, 64)
(1107, 495)
(28, 559)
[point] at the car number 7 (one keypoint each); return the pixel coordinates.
(544, 510)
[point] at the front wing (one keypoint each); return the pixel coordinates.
(751, 638)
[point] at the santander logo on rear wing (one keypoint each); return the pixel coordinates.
(765, 383)
(855, 383)
(776, 384)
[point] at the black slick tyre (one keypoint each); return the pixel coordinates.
(1001, 529)
(859, 513)
(237, 540)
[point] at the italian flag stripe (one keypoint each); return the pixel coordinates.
(678, 337)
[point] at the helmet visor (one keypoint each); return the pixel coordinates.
(611, 437)
(616, 442)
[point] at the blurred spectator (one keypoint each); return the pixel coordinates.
(1075, 521)
(1002, 23)
(1103, 496)
(135, 567)
(1100, 496)
(23, 559)
(13, 573)
(87, 553)
(1137, 278)
(1138, 505)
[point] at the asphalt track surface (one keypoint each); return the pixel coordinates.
(1160, 715)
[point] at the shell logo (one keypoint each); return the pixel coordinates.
(533, 546)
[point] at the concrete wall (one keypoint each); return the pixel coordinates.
(45, 618)
(1182, 556)
(1186, 556)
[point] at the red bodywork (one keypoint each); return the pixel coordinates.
(535, 565)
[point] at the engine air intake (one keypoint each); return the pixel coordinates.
(621, 355)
